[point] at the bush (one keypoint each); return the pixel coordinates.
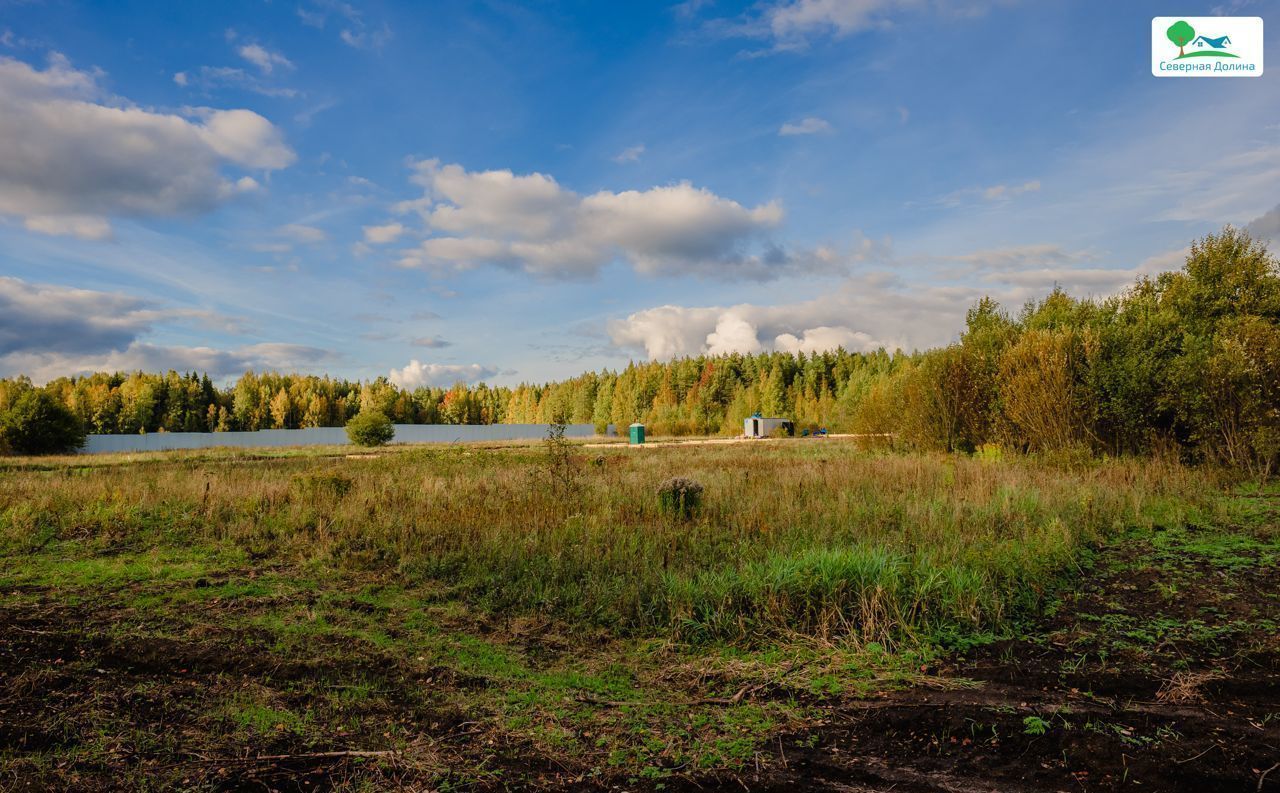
(39, 424)
(370, 428)
(680, 497)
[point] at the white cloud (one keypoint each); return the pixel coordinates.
(42, 367)
(355, 32)
(992, 193)
(49, 331)
(245, 138)
(1161, 262)
(875, 310)
(40, 317)
(263, 58)
(71, 158)
(666, 332)
(791, 24)
(823, 339)
(1267, 227)
(431, 342)
(799, 18)
(1016, 257)
(211, 78)
(629, 154)
(381, 235)
(532, 223)
(417, 374)
(86, 227)
(806, 126)
(1093, 280)
(307, 235)
(733, 333)
(999, 191)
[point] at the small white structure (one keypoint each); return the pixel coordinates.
(761, 427)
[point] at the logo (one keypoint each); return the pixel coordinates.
(1206, 46)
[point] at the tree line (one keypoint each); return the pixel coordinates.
(1188, 360)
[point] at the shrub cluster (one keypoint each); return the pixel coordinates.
(37, 423)
(370, 428)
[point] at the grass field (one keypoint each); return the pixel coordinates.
(531, 616)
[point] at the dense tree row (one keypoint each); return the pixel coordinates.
(1189, 359)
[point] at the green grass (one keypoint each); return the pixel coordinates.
(418, 586)
(819, 539)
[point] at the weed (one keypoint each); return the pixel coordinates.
(1034, 725)
(680, 497)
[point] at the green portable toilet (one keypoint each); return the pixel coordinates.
(637, 433)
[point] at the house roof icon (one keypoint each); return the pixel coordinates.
(1218, 43)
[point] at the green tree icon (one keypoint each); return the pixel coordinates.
(1180, 33)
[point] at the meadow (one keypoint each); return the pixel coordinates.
(521, 616)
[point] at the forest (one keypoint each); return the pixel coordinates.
(1186, 361)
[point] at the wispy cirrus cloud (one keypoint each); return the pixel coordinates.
(811, 125)
(629, 154)
(265, 59)
(790, 25)
(353, 29)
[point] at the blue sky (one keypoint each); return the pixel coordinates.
(502, 191)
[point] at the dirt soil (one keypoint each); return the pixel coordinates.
(1161, 673)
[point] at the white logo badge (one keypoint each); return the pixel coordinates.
(1206, 46)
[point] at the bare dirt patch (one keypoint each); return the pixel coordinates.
(1160, 672)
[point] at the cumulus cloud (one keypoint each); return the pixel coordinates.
(823, 339)
(667, 332)
(531, 223)
(872, 310)
(806, 126)
(263, 58)
(381, 235)
(71, 158)
(418, 374)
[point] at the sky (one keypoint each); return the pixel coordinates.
(520, 192)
